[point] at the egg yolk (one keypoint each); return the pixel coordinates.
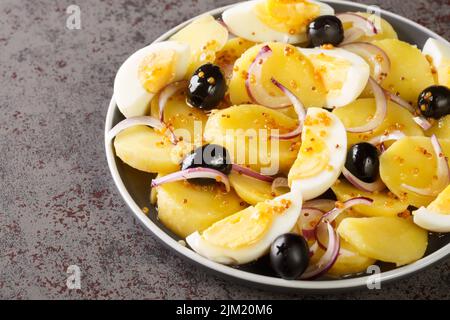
(313, 157)
(288, 16)
(442, 202)
(246, 227)
(157, 70)
(333, 71)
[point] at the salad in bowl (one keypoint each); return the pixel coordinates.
(285, 133)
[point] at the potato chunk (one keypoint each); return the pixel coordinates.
(389, 239)
(185, 208)
(411, 161)
(251, 190)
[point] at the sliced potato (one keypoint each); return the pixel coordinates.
(359, 112)
(185, 208)
(144, 149)
(251, 190)
(386, 29)
(232, 51)
(389, 239)
(350, 261)
(441, 129)
(411, 161)
(244, 130)
(186, 121)
(410, 71)
(301, 78)
(384, 204)
(205, 36)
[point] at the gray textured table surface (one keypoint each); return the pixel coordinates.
(58, 204)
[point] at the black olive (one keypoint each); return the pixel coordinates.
(210, 156)
(289, 256)
(207, 87)
(325, 30)
(434, 102)
(363, 162)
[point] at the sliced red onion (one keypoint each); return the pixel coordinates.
(278, 183)
(423, 123)
(352, 35)
(254, 85)
(394, 135)
(378, 185)
(168, 92)
(299, 109)
(309, 218)
(358, 21)
(331, 215)
(374, 54)
(329, 258)
(443, 173)
(192, 174)
(380, 113)
(249, 172)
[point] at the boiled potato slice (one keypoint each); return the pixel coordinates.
(359, 112)
(411, 161)
(144, 149)
(251, 190)
(387, 31)
(301, 78)
(441, 129)
(186, 122)
(384, 203)
(389, 239)
(205, 36)
(410, 71)
(185, 208)
(232, 51)
(244, 130)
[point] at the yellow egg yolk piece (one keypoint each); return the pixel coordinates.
(333, 71)
(289, 16)
(246, 227)
(442, 203)
(157, 70)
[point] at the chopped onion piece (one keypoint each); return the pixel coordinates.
(321, 204)
(279, 183)
(193, 174)
(249, 172)
(329, 258)
(423, 123)
(358, 21)
(352, 35)
(309, 218)
(331, 215)
(140, 121)
(254, 85)
(374, 54)
(378, 185)
(299, 109)
(443, 173)
(394, 135)
(168, 92)
(380, 113)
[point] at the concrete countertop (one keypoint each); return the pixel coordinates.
(58, 204)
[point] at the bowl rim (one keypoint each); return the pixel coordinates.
(248, 277)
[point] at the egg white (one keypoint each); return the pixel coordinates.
(131, 97)
(242, 20)
(357, 76)
(432, 221)
(336, 135)
(282, 223)
(440, 55)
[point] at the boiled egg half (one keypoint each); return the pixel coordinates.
(274, 20)
(322, 153)
(435, 217)
(146, 72)
(247, 235)
(438, 54)
(344, 74)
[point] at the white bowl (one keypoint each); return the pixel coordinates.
(138, 188)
